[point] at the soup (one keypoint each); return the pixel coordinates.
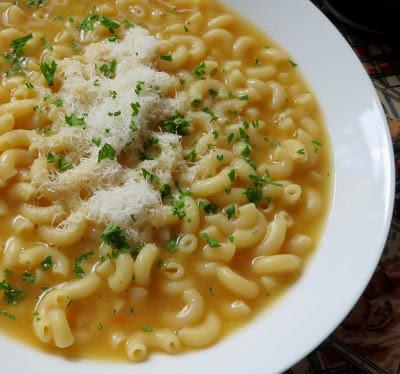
(164, 175)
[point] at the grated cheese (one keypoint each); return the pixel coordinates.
(113, 190)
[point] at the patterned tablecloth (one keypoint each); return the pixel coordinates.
(368, 340)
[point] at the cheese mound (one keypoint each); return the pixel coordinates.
(119, 100)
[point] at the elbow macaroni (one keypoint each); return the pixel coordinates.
(230, 145)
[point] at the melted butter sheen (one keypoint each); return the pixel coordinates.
(250, 112)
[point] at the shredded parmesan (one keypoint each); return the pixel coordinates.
(126, 205)
(123, 111)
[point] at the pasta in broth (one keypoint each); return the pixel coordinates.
(164, 174)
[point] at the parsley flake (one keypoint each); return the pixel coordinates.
(177, 124)
(47, 263)
(48, 70)
(28, 277)
(230, 211)
(106, 152)
(7, 314)
(167, 57)
(79, 272)
(73, 120)
(213, 243)
(108, 69)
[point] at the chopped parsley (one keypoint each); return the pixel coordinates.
(35, 3)
(109, 23)
(146, 329)
(254, 194)
(165, 191)
(178, 205)
(7, 314)
(160, 264)
(208, 206)
(231, 238)
(150, 142)
(106, 152)
(172, 244)
(167, 57)
(48, 70)
(213, 243)
(59, 161)
(153, 178)
(232, 175)
(214, 118)
(113, 94)
(108, 69)
(301, 151)
(114, 236)
(212, 92)
(177, 124)
(87, 24)
(73, 120)
(244, 97)
(28, 85)
(258, 63)
(230, 211)
(195, 103)
(191, 155)
(135, 108)
(211, 290)
(28, 277)
(79, 272)
(19, 44)
(47, 263)
(96, 141)
(243, 136)
(11, 295)
(58, 103)
(200, 71)
(230, 137)
(316, 144)
(8, 273)
(139, 87)
(18, 64)
(292, 63)
(220, 157)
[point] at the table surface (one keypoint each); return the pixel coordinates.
(368, 340)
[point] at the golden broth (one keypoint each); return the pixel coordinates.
(95, 319)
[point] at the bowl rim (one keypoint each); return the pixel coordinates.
(200, 357)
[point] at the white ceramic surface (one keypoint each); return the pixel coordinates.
(354, 236)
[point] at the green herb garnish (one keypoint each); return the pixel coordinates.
(177, 124)
(73, 120)
(108, 69)
(47, 263)
(106, 152)
(79, 272)
(48, 70)
(230, 211)
(28, 277)
(213, 243)
(167, 57)
(60, 162)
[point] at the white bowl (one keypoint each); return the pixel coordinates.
(354, 236)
